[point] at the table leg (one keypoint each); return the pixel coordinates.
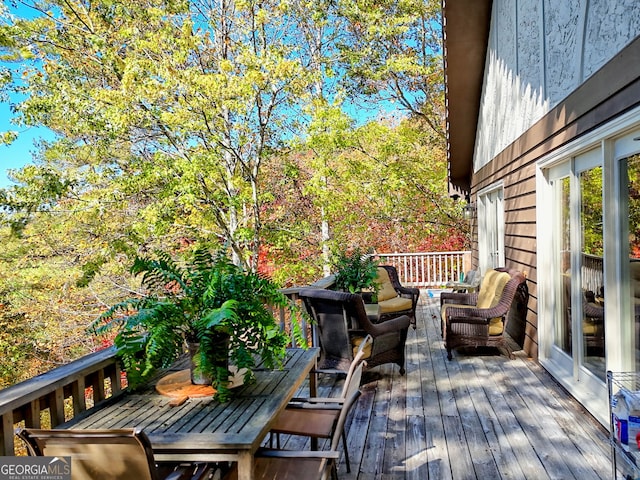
(313, 392)
(246, 467)
(313, 384)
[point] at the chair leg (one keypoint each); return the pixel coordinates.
(277, 435)
(334, 470)
(346, 452)
(508, 350)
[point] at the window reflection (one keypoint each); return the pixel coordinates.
(592, 271)
(563, 329)
(633, 205)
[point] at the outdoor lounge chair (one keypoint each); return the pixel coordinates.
(480, 319)
(122, 454)
(341, 323)
(317, 417)
(394, 299)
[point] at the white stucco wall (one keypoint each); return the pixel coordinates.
(539, 52)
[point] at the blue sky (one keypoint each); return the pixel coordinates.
(19, 153)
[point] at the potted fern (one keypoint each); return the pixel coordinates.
(208, 302)
(355, 272)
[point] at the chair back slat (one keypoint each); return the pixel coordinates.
(96, 454)
(357, 360)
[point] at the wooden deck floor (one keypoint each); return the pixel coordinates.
(481, 416)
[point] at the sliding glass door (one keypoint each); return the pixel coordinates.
(578, 326)
(589, 264)
(630, 264)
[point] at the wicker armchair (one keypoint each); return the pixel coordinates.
(480, 319)
(341, 323)
(394, 299)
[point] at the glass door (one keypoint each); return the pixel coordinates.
(589, 293)
(562, 327)
(491, 229)
(578, 323)
(630, 201)
(588, 223)
(633, 199)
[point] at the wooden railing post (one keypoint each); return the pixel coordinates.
(6, 437)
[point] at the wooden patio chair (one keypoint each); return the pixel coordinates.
(317, 417)
(394, 299)
(118, 454)
(341, 323)
(480, 319)
(309, 464)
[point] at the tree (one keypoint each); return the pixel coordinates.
(180, 123)
(392, 51)
(43, 313)
(163, 108)
(392, 189)
(384, 187)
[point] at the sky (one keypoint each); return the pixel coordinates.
(19, 153)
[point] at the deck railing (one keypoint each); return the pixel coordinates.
(430, 269)
(56, 396)
(592, 273)
(71, 390)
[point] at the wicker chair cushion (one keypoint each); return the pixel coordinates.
(356, 341)
(396, 304)
(491, 288)
(386, 290)
(589, 328)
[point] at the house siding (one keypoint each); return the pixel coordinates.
(540, 52)
(611, 91)
(544, 85)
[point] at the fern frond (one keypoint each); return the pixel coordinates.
(159, 272)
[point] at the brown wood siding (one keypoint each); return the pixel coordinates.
(610, 92)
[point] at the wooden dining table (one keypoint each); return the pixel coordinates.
(203, 429)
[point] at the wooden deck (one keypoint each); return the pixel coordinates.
(481, 416)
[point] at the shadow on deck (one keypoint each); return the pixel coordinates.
(479, 416)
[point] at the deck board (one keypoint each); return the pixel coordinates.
(479, 416)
